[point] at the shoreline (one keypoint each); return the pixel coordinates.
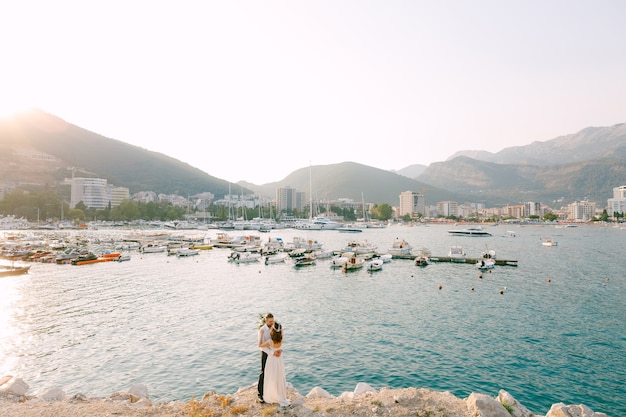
(362, 402)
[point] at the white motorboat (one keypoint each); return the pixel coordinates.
(153, 248)
(323, 253)
(317, 223)
(374, 265)
(386, 258)
(486, 263)
(422, 257)
(470, 231)
(548, 241)
(300, 242)
(338, 262)
(457, 254)
(182, 253)
(276, 258)
(360, 247)
(349, 228)
(353, 263)
(400, 247)
(244, 257)
(308, 259)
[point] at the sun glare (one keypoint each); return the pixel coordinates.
(13, 101)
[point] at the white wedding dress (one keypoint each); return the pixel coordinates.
(275, 383)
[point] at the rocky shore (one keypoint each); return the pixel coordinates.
(363, 401)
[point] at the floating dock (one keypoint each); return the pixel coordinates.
(473, 261)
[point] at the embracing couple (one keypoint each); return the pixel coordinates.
(272, 386)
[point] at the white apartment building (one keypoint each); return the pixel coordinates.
(448, 208)
(583, 211)
(617, 204)
(411, 203)
(532, 209)
(119, 194)
(288, 199)
(96, 193)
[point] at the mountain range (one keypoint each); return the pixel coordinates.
(39, 150)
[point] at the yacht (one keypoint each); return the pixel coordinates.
(318, 223)
(470, 231)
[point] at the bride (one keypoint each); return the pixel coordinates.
(275, 383)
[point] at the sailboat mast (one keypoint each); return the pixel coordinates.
(310, 193)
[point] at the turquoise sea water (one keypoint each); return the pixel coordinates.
(184, 326)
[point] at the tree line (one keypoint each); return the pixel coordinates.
(45, 206)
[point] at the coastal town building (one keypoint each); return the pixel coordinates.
(146, 197)
(96, 193)
(517, 211)
(288, 199)
(532, 209)
(119, 194)
(617, 204)
(411, 203)
(448, 208)
(583, 210)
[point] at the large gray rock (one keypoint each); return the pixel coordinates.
(580, 410)
(481, 405)
(507, 400)
(14, 387)
(53, 394)
(362, 388)
(139, 391)
(318, 392)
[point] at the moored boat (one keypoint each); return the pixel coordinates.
(457, 254)
(275, 258)
(548, 241)
(338, 262)
(10, 270)
(187, 252)
(308, 259)
(477, 231)
(400, 247)
(374, 265)
(360, 247)
(353, 263)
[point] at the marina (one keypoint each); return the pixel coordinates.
(186, 325)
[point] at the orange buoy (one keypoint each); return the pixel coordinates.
(440, 287)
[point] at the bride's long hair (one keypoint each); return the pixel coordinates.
(276, 333)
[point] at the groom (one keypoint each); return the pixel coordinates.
(264, 336)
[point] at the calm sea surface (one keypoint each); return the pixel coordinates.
(184, 326)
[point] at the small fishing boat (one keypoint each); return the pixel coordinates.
(187, 252)
(308, 259)
(338, 262)
(422, 257)
(374, 265)
(354, 263)
(276, 258)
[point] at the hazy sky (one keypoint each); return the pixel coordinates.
(253, 90)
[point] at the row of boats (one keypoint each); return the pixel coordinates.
(244, 249)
